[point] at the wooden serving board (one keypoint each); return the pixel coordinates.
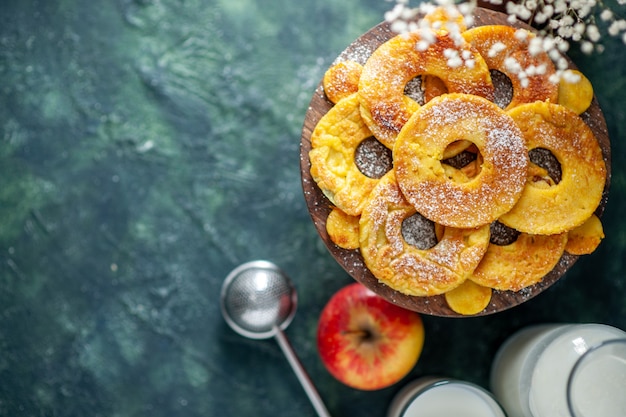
(351, 260)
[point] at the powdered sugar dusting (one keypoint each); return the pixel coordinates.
(499, 184)
(357, 53)
(403, 266)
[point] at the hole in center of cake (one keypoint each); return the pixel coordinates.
(419, 231)
(462, 161)
(502, 235)
(545, 168)
(373, 158)
(413, 89)
(503, 88)
(424, 88)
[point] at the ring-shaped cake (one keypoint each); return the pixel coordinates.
(418, 154)
(568, 204)
(403, 266)
(351, 260)
(398, 60)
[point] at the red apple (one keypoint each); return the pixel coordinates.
(365, 341)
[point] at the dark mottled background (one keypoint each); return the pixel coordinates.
(150, 146)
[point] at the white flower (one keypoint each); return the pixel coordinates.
(567, 21)
(580, 28)
(593, 33)
(570, 76)
(562, 44)
(565, 31)
(428, 35)
(399, 26)
(554, 54)
(521, 34)
(555, 78)
(548, 10)
(536, 46)
(495, 49)
(512, 65)
(408, 14)
(606, 15)
(511, 8)
(394, 13)
(524, 13)
(560, 6)
(541, 18)
(558, 22)
(455, 62)
(586, 47)
(548, 43)
(450, 53)
(541, 69)
(554, 24)
(466, 9)
(422, 45)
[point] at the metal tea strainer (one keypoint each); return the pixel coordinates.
(258, 301)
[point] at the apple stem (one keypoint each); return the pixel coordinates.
(363, 334)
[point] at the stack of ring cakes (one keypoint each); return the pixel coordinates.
(448, 178)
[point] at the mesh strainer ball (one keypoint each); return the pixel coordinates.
(257, 298)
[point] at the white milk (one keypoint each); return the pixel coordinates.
(531, 371)
(599, 385)
(452, 400)
(445, 398)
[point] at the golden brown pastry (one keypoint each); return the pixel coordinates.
(521, 263)
(343, 229)
(342, 80)
(418, 154)
(468, 298)
(568, 204)
(504, 51)
(585, 238)
(404, 267)
(384, 106)
(333, 144)
(575, 91)
(460, 163)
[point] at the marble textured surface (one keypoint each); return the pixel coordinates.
(150, 146)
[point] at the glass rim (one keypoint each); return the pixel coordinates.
(426, 384)
(570, 380)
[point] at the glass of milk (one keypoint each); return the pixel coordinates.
(442, 397)
(565, 370)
